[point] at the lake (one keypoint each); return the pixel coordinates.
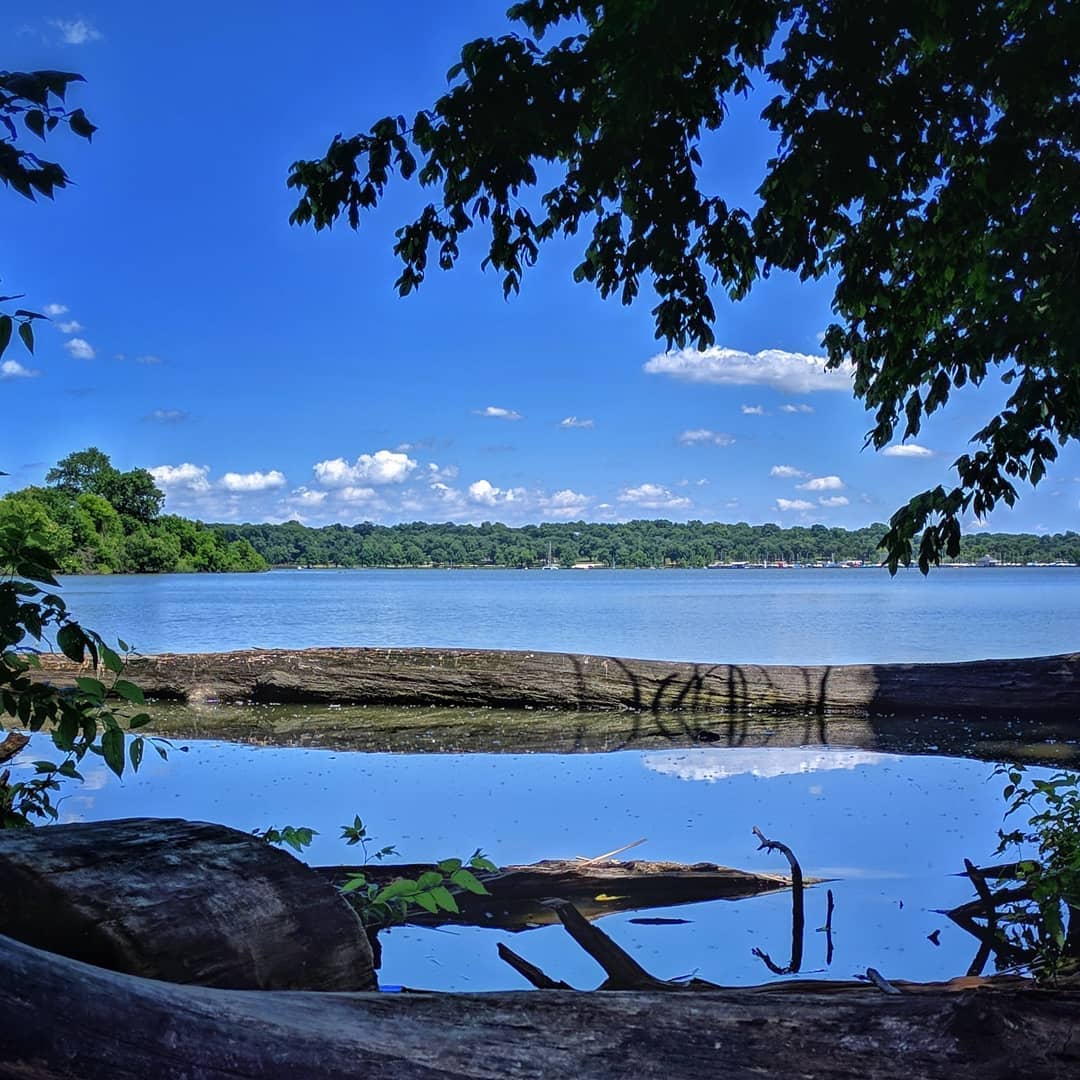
(728, 616)
(892, 830)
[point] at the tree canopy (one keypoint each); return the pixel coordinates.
(927, 160)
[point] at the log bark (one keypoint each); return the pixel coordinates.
(63, 1020)
(183, 901)
(518, 893)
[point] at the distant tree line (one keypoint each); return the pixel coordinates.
(94, 519)
(629, 544)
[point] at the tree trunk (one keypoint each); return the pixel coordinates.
(183, 901)
(64, 1020)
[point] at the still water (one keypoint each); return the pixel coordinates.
(728, 616)
(891, 830)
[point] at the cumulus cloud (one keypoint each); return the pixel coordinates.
(834, 500)
(75, 31)
(907, 450)
(574, 422)
(71, 327)
(497, 413)
(382, 467)
(186, 476)
(166, 416)
(752, 410)
(253, 481)
(564, 504)
(52, 310)
(303, 496)
(786, 505)
(486, 494)
(712, 765)
(653, 497)
(357, 494)
(80, 348)
(699, 436)
(800, 408)
(786, 472)
(792, 373)
(822, 483)
(12, 369)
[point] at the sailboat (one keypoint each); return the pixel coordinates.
(550, 564)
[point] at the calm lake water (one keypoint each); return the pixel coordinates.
(892, 830)
(748, 616)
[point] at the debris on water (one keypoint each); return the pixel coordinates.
(658, 921)
(934, 938)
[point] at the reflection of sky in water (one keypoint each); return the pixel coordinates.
(894, 829)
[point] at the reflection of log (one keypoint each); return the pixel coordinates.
(179, 900)
(63, 1019)
(1042, 687)
(518, 893)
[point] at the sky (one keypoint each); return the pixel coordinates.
(264, 372)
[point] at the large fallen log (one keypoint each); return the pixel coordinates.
(64, 1020)
(183, 901)
(517, 894)
(1043, 686)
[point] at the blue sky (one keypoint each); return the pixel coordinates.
(265, 372)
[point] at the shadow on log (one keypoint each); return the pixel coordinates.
(183, 901)
(65, 1020)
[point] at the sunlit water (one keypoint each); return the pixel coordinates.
(892, 830)
(726, 616)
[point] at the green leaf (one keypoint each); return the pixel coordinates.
(354, 883)
(129, 691)
(444, 899)
(112, 749)
(426, 901)
(429, 879)
(6, 326)
(92, 688)
(135, 753)
(26, 332)
(35, 122)
(111, 660)
(72, 642)
(466, 879)
(139, 720)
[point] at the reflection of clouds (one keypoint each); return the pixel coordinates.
(719, 764)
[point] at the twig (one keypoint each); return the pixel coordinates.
(530, 972)
(609, 854)
(881, 982)
(798, 914)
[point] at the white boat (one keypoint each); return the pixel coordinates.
(550, 564)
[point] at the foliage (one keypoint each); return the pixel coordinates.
(84, 720)
(296, 837)
(98, 520)
(1049, 926)
(918, 165)
(629, 544)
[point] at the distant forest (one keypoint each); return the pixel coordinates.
(629, 544)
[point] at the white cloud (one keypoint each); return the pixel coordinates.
(792, 373)
(72, 327)
(786, 505)
(752, 410)
(440, 473)
(485, 493)
(80, 348)
(166, 416)
(653, 497)
(75, 31)
(302, 496)
(357, 494)
(52, 310)
(12, 369)
(253, 481)
(822, 483)
(498, 413)
(712, 765)
(382, 467)
(800, 408)
(564, 504)
(703, 435)
(907, 450)
(786, 472)
(184, 476)
(834, 500)
(148, 359)
(574, 422)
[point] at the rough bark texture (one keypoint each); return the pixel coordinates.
(64, 1020)
(517, 893)
(183, 901)
(1043, 687)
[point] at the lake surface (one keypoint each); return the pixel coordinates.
(892, 830)
(734, 616)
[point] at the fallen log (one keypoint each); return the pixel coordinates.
(518, 894)
(183, 901)
(63, 1019)
(1042, 686)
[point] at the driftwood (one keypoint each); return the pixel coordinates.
(518, 893)
(183, 901)
(63, 1020)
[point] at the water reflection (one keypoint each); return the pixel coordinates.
(895, 829)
